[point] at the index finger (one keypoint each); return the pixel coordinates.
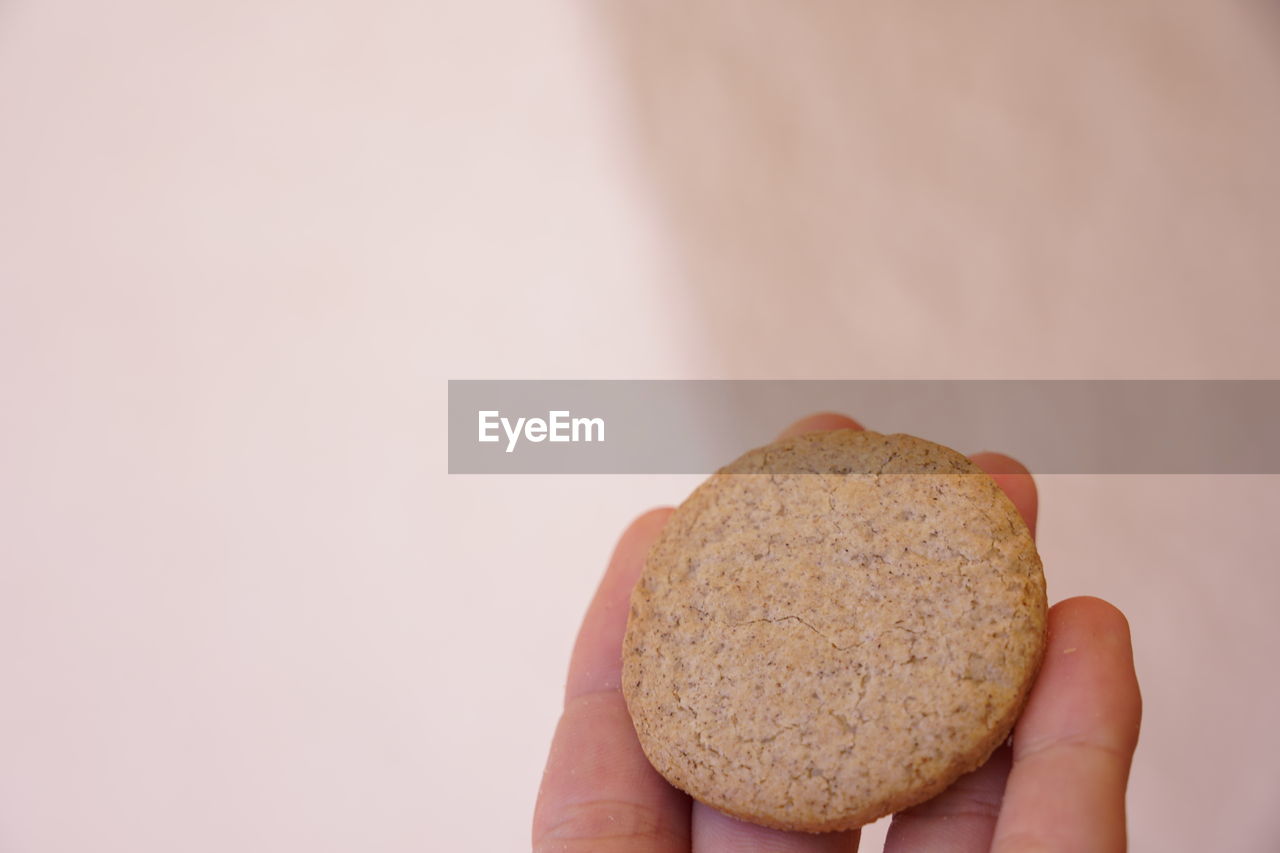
(1015, 481)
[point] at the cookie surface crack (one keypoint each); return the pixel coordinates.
(801, 621)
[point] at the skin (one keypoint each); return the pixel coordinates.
(1060, 788)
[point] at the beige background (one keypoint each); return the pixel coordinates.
(244, 244)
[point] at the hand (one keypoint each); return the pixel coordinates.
(1060, 788)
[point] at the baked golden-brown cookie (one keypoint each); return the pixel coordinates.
(833, 628)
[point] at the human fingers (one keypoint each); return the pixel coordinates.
(1073, 746)
(820, 422)
(716, 832)
(1015, 481)
(959, 820)
(599, 793)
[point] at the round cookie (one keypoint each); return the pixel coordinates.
(833, 628)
